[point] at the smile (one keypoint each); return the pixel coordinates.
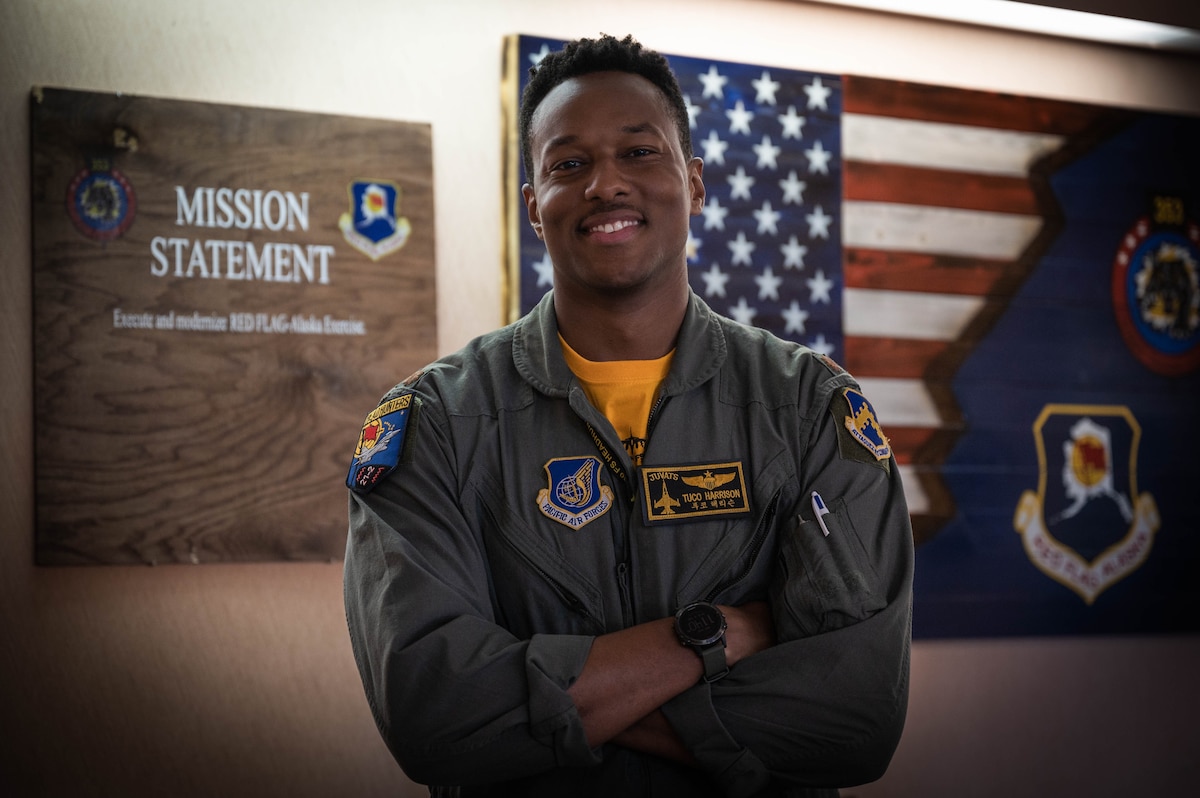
(613, 227)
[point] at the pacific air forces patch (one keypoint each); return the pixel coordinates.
(860, 436)
(380, 444)
(575, 496)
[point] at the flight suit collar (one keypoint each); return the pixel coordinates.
(699, 352)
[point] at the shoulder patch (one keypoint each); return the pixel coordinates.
(860, 436)
(380, 444)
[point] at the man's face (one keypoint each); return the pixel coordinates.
(611, 190)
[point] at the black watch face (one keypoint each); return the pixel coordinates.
(702, 624)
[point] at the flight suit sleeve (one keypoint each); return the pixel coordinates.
(457, 698)
(825, 707)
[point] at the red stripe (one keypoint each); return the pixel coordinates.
(933, 362)
(962, 107)
(913, 185)
(904, 358)
(907, 441)
(891, 270)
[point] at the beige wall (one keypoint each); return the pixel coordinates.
(237, 680)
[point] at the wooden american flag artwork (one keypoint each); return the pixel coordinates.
(896, 227)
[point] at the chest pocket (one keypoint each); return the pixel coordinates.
(739, 564)
(823, 582)
(535, 587)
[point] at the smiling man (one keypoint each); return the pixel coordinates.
(611, 196)
(625, 546)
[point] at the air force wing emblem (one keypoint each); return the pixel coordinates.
(575, 496)
(372, 225)
(860, 436)
(1087, 527)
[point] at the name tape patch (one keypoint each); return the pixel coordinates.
(671, 494)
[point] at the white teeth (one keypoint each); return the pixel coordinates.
(612, 227)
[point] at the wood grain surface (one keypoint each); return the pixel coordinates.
(175, 445)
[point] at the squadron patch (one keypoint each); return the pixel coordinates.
(101, 202)
(672, 494)
(380, 444)
(860, 431)
(575, 496)
(1156, 288)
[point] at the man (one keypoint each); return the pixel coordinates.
(625, 546)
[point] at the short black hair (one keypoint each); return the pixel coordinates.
(605, 54)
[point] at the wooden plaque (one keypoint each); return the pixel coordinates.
(221, 294)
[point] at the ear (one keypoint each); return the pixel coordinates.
(695, 176)
(535, 219)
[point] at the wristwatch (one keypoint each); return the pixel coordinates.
(701, 627)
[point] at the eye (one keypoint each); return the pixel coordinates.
(566, 165)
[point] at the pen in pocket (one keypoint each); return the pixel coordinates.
(820, 511)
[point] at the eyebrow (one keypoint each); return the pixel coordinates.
(562, 141)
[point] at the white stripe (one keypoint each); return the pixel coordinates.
(908, 314)
(947, 231)
(900, 402)
(937, 145)
(914, 495)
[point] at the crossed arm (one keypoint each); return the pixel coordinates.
(629, 674)
(821, 701)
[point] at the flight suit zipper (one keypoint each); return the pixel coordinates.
(627, 617)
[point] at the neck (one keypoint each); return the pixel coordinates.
(622, 327)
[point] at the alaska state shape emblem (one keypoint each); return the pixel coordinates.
(1087, 526)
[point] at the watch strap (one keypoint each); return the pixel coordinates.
(713, 657)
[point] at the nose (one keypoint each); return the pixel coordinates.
(607, 180)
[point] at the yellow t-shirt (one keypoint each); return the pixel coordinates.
(623, 390)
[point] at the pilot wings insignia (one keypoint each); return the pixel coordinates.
(708, 481)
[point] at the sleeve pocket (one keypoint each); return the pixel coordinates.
(822, 583)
